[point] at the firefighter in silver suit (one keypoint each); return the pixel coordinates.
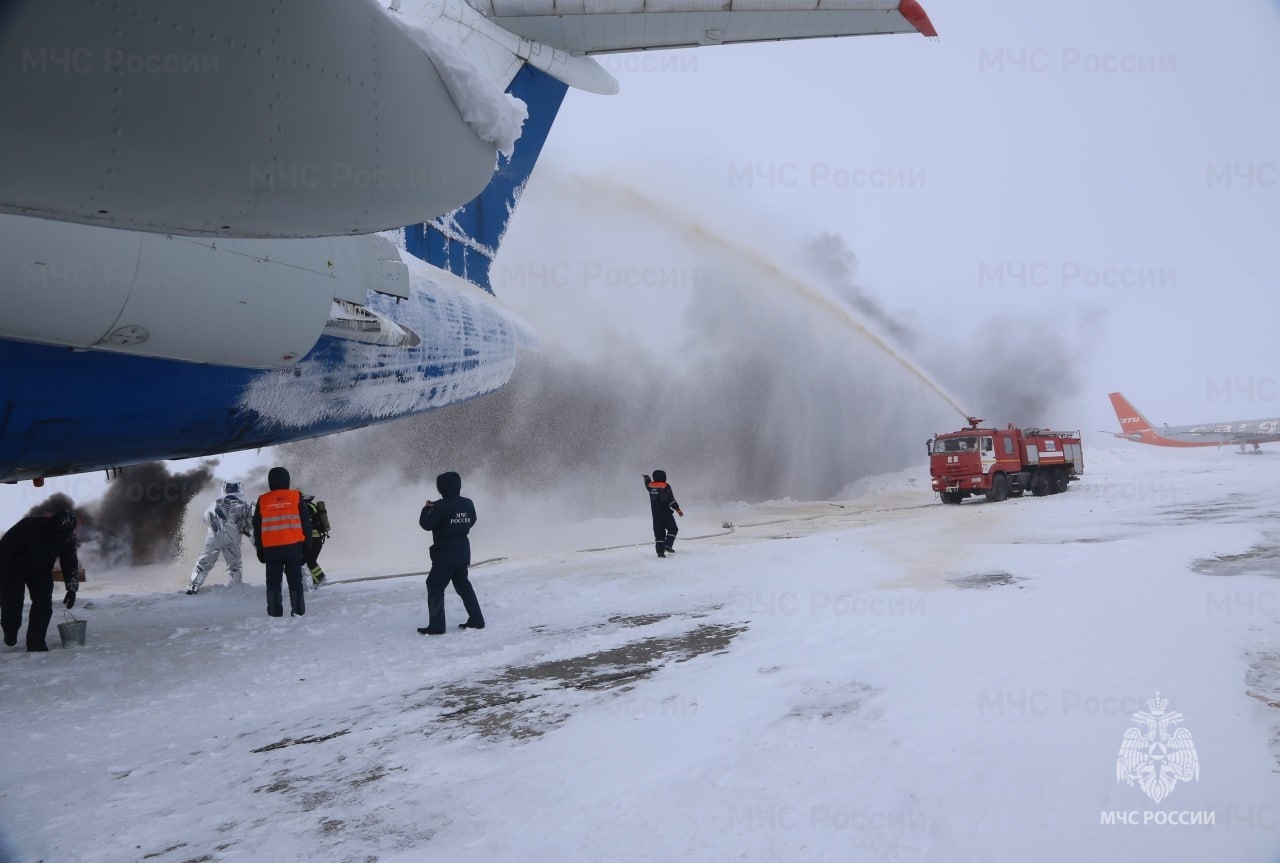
(228, 520)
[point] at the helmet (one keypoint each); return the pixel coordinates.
(233, 488)
(64, 521)
(659, 476)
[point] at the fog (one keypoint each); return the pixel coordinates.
(751, 364)
(748, 370)
(662, 347)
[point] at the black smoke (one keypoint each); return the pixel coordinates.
(137, 520)
(838, 265)
(1026, 370)
(139, 517)
(52, 504)
(62, 500)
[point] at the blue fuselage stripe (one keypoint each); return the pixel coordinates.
(483, 219)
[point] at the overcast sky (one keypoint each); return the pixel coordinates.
(1106, 171)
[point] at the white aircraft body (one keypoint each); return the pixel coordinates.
(229, 225)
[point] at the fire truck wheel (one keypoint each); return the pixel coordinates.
(1040, 484)
(1059, 481)
(999, 488)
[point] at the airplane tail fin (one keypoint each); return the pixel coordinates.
(1131, 419)
(465, 241)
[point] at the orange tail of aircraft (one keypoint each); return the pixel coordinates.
(1135, 427)
(1131, 419)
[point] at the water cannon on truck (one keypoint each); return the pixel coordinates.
(1003, 463)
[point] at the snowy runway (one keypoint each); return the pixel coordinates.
(888, 679)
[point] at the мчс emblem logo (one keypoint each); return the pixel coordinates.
(1156, 755)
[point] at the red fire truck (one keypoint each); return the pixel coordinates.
(1001, 463)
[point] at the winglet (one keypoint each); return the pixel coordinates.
(1131, 420)
(915, 14)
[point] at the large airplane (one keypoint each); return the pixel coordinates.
(203, 206)
(1135, 427)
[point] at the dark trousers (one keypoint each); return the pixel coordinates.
(664, 532)
(40, 586)
(437, 579)
(291, 569)
(311, 557)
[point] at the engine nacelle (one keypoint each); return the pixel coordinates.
(248, 303)
(248, 119)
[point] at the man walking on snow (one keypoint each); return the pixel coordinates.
(315, 576)
(662, 502)
(228, 521)
(450, 520)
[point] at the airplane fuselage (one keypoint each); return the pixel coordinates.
(68, 410)
(1137, 428)
(1216, 434)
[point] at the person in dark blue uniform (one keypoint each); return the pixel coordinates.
(450, 520)
(27, 552)
(662, 503)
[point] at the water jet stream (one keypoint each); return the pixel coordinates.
(799, 286)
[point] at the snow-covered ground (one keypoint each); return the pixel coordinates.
(881, 679)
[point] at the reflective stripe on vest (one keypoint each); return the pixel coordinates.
(281, 517)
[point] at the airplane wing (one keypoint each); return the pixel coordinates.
(603, 26)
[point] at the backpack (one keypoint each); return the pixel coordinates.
(319, 517)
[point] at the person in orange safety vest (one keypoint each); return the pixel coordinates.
(281, 531)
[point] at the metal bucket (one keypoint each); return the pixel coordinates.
(73, 632)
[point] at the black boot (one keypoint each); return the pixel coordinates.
(275, 603)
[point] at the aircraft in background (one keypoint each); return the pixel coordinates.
(1135, 427)
(203, 205)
